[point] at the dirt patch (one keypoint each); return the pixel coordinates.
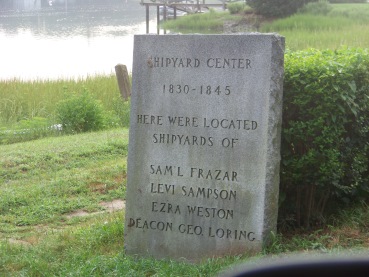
(19, 242)
(249, 22)
(98, 187)
(114, 205)
(80, 213)
(242, 26)
(111, 206)
(120, 179)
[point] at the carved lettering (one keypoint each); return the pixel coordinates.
(150, 224)
(200, 192)
(233, 63)
(217, 174)
(182, 140)
(210, 212)
(231, 124)
(231, 234)
(165, 208)
(175, 62)
(190, 229)
(183, 121)
(162, 188)
(165, 170)
(149, 119)
(184, 62)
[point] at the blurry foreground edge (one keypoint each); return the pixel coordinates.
(306, 266)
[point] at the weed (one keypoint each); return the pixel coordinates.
(80, 113)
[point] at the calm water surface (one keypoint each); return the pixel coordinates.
(69, 41)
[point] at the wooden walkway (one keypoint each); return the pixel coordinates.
(180, 6)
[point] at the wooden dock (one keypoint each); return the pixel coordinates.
(176, 6)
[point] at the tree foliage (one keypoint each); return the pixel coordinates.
(325, 135)
(277, 8)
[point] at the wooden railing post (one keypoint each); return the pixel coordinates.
(147, 18)
(123, 81)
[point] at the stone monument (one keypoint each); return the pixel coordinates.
(204, 146)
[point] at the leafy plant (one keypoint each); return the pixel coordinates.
(277, 8)
(80, 113)
(235, 7)
(325, 134)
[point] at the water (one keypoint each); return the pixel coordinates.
(69, 40)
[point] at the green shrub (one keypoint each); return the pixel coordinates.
(325, 135)
(322, 7)
(235, 7)
(277, 8)
(80, 113)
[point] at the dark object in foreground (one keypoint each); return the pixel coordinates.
(326, 268)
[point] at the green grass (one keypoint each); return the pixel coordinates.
(28, 108)
(344, 25)
(207, 23)
(357, 12)
(43, 181)
(27, 99)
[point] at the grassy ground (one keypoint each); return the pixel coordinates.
(344, 25)
(26, 99)
(28, 108)
(44, 182)
(207, 23)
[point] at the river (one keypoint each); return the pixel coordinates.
(69, 40)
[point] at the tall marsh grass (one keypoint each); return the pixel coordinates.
(207, 23)
(357, 12)
(28, 109)
(344, 25)
(27, 99)
(322, 26)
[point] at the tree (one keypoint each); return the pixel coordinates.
(277, 8)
